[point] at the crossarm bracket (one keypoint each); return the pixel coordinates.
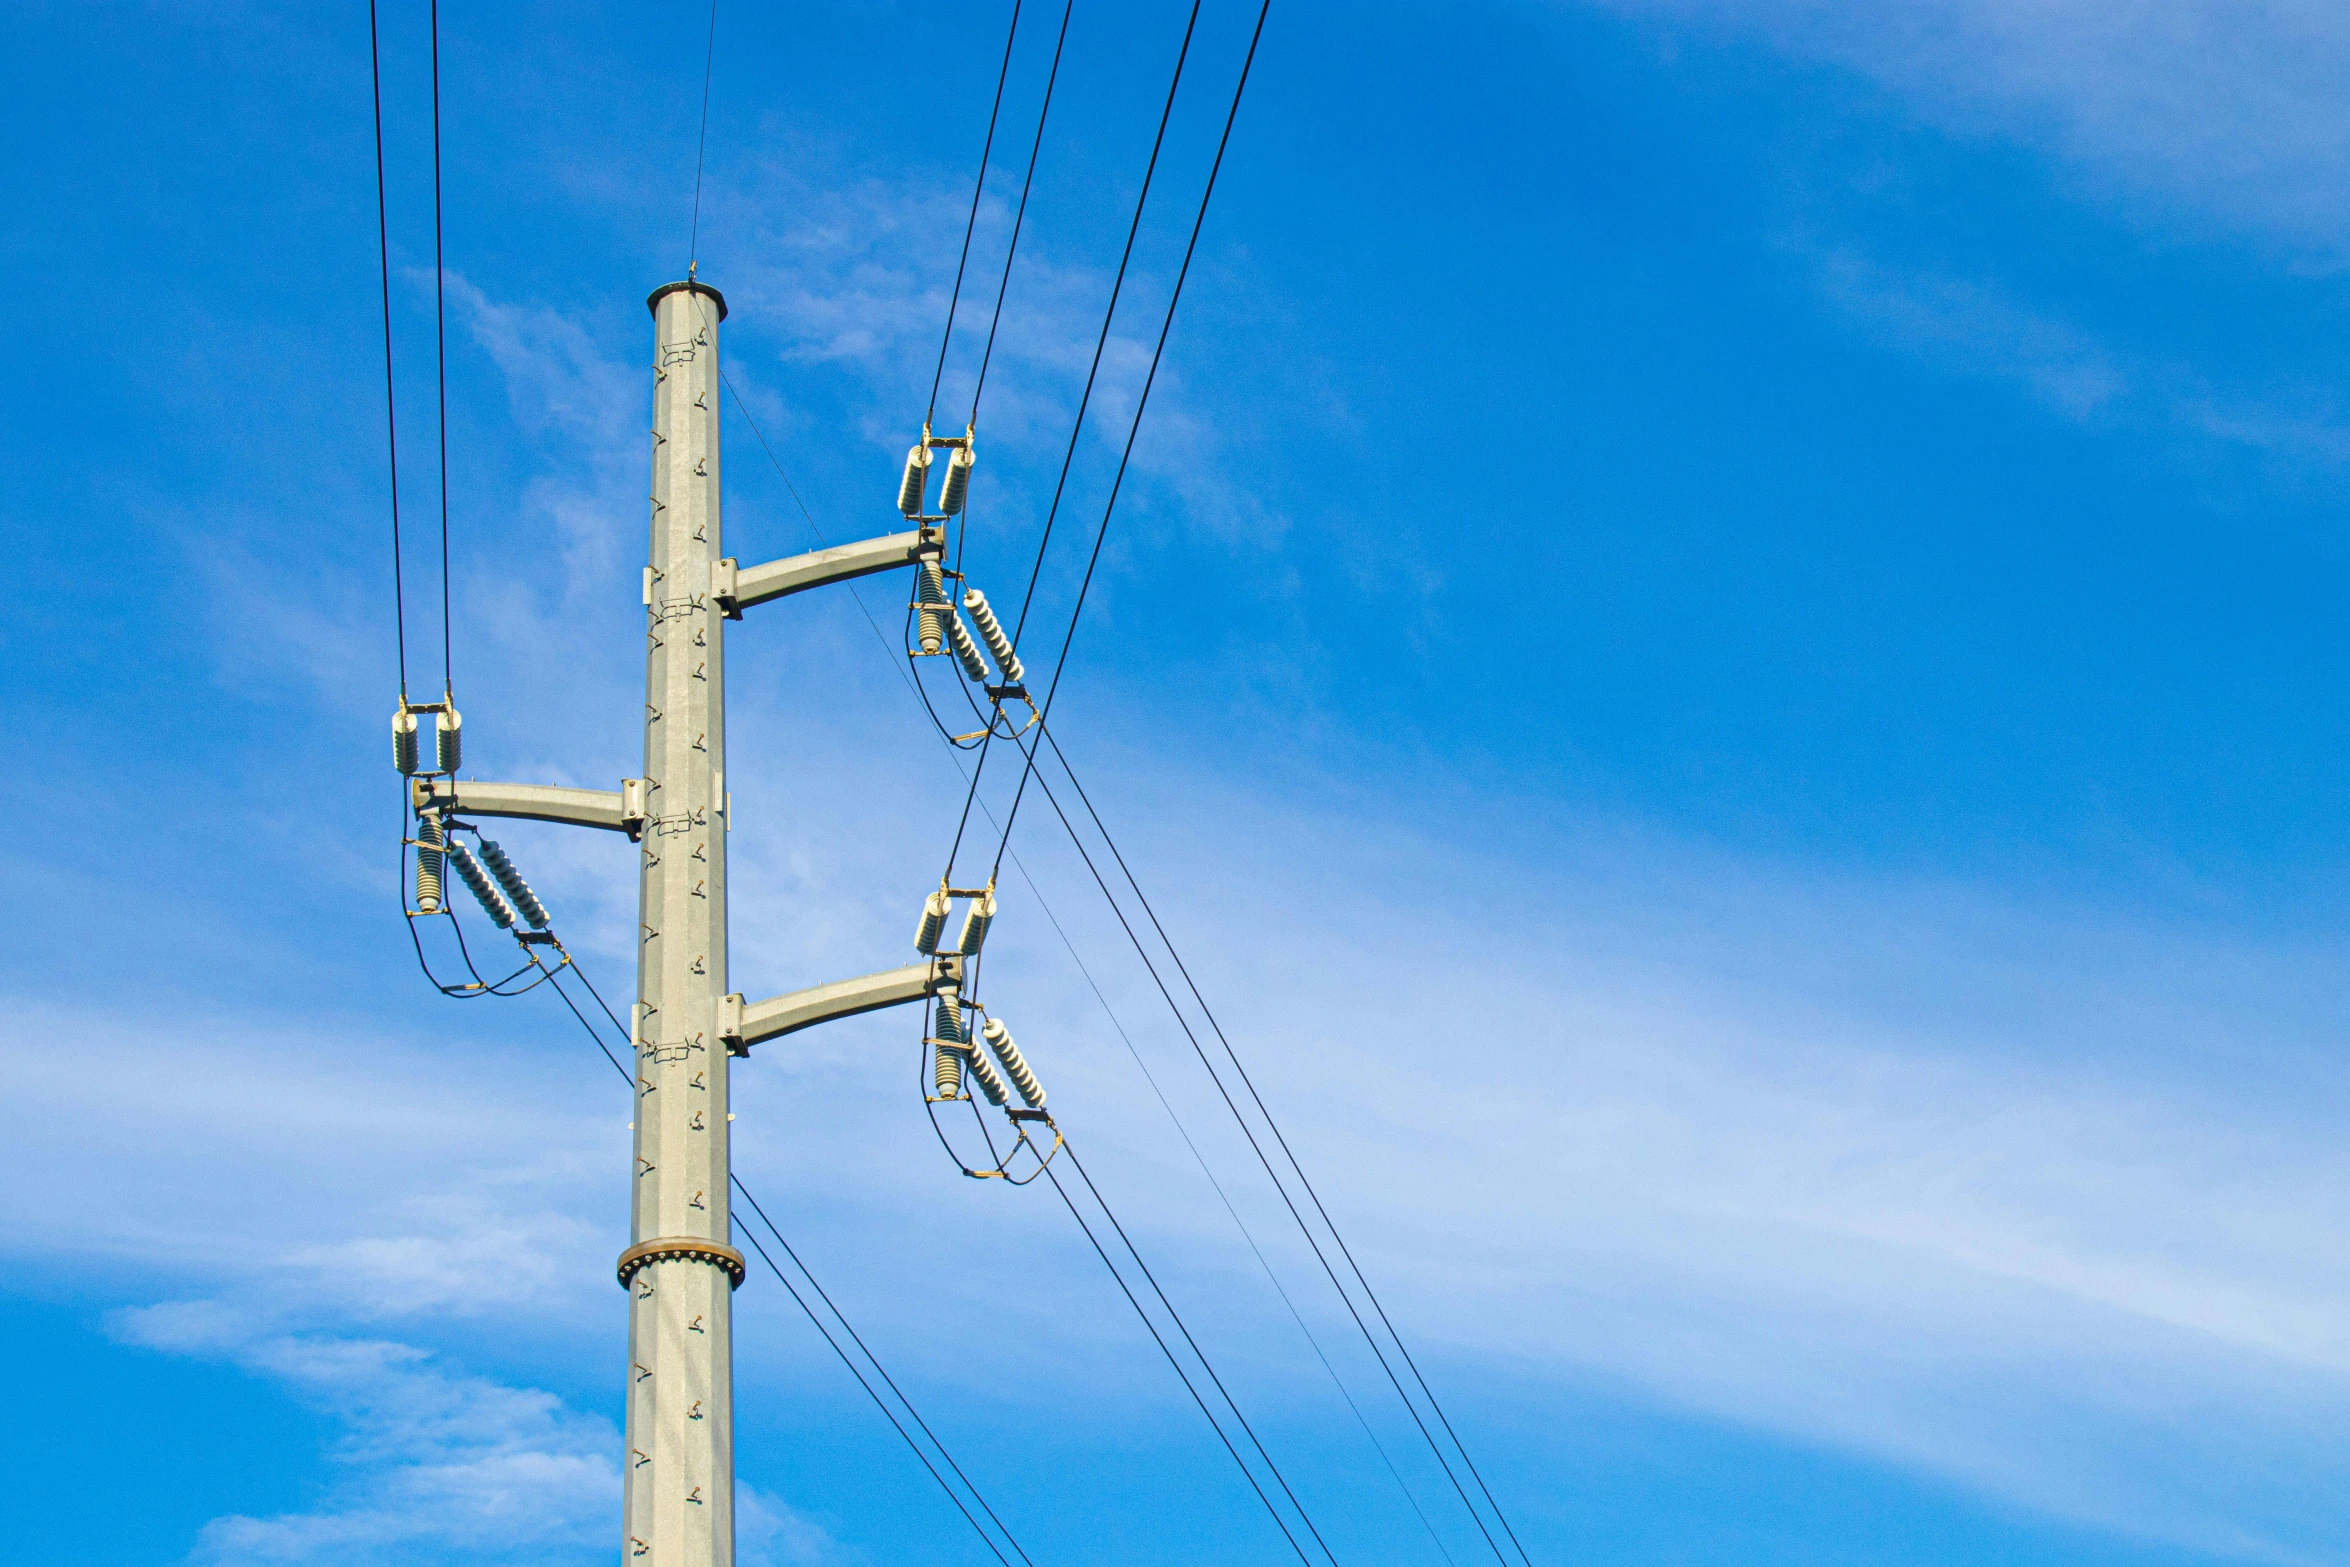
(617, 810)
(737, 587)
(743, 1026)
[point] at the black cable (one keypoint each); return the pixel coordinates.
(1134, 427)
(1085, 399)
(1278, 1521)
(383, 241)
(995, 317)
(877, 1366)
(1290, 1156)
(972, 222)
(597, 1039)
(441, 348)
(702, 142)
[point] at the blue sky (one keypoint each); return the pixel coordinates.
(1724, 652)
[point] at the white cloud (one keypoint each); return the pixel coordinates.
(2207, 110)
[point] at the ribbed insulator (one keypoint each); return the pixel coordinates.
(947, 1021)
(992, 629)
(966, 649)
(404, 741)
(917, 480)
(989, 1084)
(999, 1040)
(449, 742)
(428, 864)
(934, 920)
(930, 591)
(958, 482)
(946, 1070)
(976, 919)
(469, 871)
(526, 902)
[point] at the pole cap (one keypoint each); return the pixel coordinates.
(653, 300)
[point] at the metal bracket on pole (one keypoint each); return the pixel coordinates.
(737, 587)
(743, 1026)
(616, 810)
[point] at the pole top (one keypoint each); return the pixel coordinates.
(653, 300)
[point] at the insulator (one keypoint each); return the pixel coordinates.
(999, 1040)
(917, 480)
(493, 903)
(992, 629)
(526, 902)
(947, 1022)
(976, 919)
(449, 742)
(946, 1070)
(958, 482)
(983, 1073)
(428, 864)
(404, 739)
(934, 920)
(930, 591)
(966, 649)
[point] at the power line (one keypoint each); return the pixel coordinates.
(1134, 427)
(972, 222)
(383, 240)
(595, 1036)
(1085, 399)
(440, 322)
(995, 317)
(1290, 1156)
(702, 142)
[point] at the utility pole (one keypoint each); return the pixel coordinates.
(680, 1267)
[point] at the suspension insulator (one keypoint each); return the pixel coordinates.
(946, 1070)
(930, 592)
(428, 864)
(999, 1040)
(934, 920)
(404, 739)
(991, 1085)
(966, 649)
(469, 871)
(917, 480)
(976, 919)
(958, 482)
(449, 741)
(992, 629)
(526, 902)
(947, 1021)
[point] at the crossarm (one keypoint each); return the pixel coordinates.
(619, 810)
(737, 588)
(743, 1026)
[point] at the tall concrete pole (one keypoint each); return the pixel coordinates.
(679, 1269)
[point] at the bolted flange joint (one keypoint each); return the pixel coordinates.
(681, 1248)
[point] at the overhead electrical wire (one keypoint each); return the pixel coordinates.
(440, 323)
(995, 317)
(383, 239)
(1085, 399)
(701, 143)
(1134, 426)
(595, 1036)
(978, 185)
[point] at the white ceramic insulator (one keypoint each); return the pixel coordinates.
(999, 1040)
(992, 629)
(492, 901)
(526, 902)
(917, 480)
(989, 1084)
(934, 920)
(946, 1069)
(428, 864)
(930, 592)
(449, 742)
(966, 649)
(958, 482)
(404, 744)
(947, 1022)
(976, 919)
